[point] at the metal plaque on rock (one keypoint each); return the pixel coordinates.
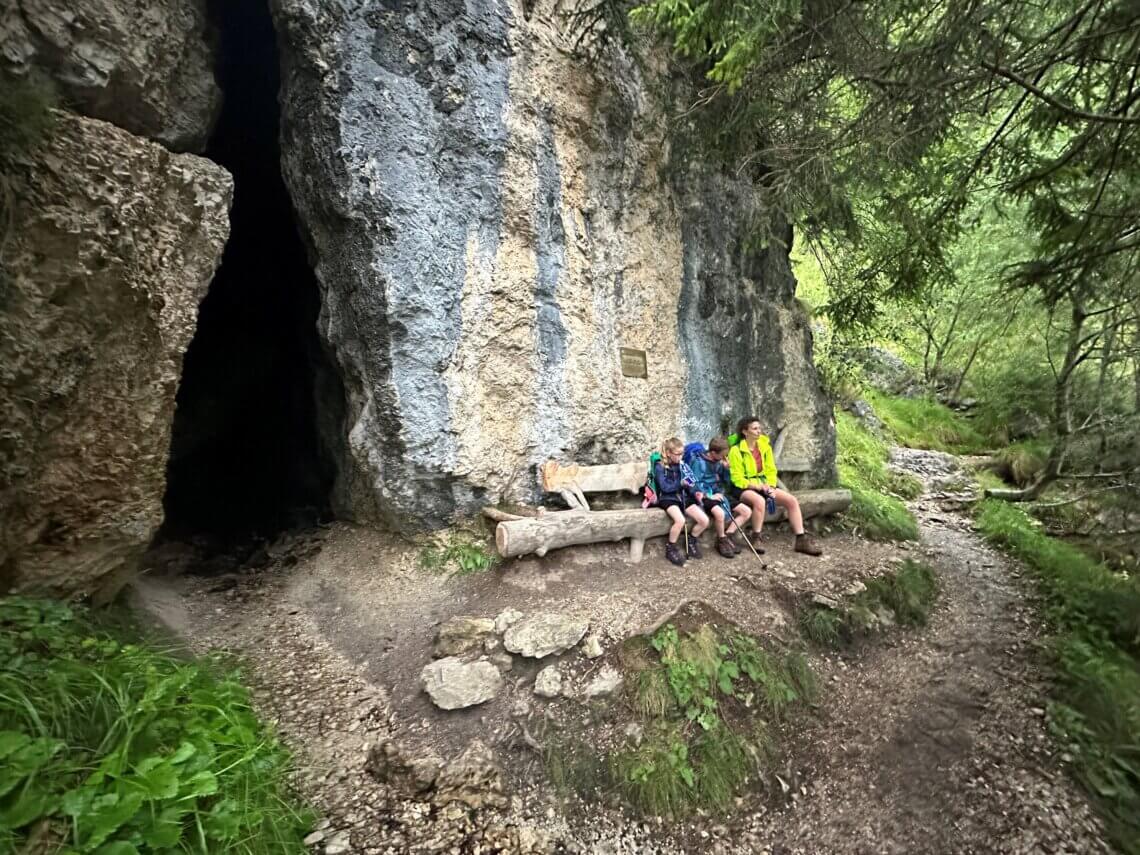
(633, 363)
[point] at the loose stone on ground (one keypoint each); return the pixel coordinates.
(454, 684)
(544, 634)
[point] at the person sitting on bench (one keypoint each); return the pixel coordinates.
(675, 496)
(752, 468)
(712, 488)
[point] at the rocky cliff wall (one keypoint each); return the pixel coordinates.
(144, 65)
(111, 245)
(491, 219)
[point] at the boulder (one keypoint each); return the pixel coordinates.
(605, 683)
(473, 778)
(506, 618)
(454, 684)
(887, 373)
(520, 257)
(144, 65)
(462, 633)
(865, 413)
(113, 242)
(548, 682)
(545, 633)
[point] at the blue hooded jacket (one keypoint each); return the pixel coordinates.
(710, 477)
(674, 482)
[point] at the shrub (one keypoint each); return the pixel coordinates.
(108, 745)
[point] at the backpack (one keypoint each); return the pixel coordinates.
(651, 482)
(693, 449)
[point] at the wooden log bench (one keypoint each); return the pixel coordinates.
(572, 528)
(580, 525)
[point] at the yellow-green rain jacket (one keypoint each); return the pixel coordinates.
(742, 465)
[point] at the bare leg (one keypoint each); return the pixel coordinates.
(740, 515)
(699, 517)
(678, 522)
(756, 502)
(718, 518)
(789, 503)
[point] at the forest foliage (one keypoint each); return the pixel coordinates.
(961, 177)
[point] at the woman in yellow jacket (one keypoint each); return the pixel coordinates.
(752, 467)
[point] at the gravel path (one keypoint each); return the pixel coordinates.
(930, 742)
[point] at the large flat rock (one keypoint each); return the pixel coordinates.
(454, 684)
(545, 633)
(493, 219)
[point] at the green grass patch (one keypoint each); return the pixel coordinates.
(110, 746)
(926, 423)
(709, 699)
(876, 510)
(1095, 615)
(909, 594)
(458, 553)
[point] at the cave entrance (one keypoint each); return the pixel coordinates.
(247, 457)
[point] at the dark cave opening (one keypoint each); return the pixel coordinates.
(247, 457)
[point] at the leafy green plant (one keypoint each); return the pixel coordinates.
(119, 748)
(460, 556)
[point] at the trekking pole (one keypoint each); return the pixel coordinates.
(684, 509)
(747, 539)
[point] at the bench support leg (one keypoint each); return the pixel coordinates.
(636, 549)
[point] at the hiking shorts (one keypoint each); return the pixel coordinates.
(709, 504)
(670, 503)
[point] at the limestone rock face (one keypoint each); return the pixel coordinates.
(492, 220)
(112, 245)
(143, 65)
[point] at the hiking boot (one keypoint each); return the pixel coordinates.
(674, 554)
(755, 538)
(694, 548)
(806, 544)
(725, 547)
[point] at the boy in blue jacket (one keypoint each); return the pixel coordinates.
(711, 490)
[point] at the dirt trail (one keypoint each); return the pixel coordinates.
(929, 741)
